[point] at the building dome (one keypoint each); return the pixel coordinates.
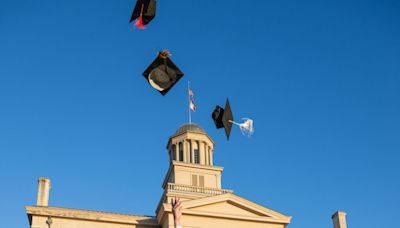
(192, 145)
(190, 127)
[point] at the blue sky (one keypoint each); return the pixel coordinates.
(321, 79)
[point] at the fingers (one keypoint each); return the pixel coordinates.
(176, 203)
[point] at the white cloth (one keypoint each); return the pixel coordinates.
(246, 127)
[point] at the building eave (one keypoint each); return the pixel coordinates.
(99, 216)
(188, 132)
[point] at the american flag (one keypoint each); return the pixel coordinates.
(191, 102)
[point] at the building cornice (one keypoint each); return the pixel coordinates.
(69, 213)
(198, 166)
(187, 133)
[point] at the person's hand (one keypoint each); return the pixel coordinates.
(177, 211)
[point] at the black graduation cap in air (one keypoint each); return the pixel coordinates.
(223, 118)
(144, 12)
(162, 74)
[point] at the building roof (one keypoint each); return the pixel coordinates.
(90, 215)
(190, 127)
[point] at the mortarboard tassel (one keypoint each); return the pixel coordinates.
(164, 54)
(246, 127)
(139, 22)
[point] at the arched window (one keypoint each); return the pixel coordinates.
(181, 152)
(173, 153)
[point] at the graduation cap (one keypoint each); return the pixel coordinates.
(143, 13)
(162, 74)
(223, 118)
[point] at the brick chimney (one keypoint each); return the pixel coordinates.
(43, 192)
(339, 219)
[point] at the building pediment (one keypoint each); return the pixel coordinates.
(228, 207)
(231, 206)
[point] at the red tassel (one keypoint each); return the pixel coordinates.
(139, 22)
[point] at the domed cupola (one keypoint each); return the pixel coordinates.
(191, 144)
(192, 173)
(190, 127)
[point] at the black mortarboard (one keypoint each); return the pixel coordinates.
(144, 11)
(162, 74)
(223, 118)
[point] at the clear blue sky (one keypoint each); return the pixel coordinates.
(321, 79)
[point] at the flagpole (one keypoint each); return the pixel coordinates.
(190, 114)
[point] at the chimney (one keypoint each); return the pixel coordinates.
(43, 192)
(339, 219)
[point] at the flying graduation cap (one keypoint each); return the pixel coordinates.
(163, 74)
(223, 118)
(143, 13)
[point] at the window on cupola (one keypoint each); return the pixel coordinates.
(173, 153)
(181, 152)
(196, 156)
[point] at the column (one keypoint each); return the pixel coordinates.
(186, 152)
(184, 148)
(192, 152)
(206, 153)
(202, 152)
(177, 151)
(211, 156)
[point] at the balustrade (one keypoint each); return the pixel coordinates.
(196, 189)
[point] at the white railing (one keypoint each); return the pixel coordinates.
(196, 189)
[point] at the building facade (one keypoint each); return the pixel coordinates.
(191, 177)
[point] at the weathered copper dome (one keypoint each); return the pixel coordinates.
(190, 127)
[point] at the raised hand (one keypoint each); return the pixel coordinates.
(177, 211)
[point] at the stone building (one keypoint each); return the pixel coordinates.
(192, 177)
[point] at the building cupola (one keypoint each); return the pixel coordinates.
(192, 173)
(191, 144)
